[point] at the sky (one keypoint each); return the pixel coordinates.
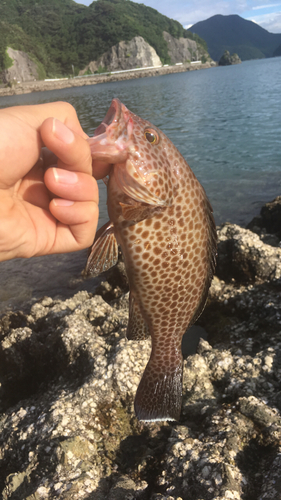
(188, 12)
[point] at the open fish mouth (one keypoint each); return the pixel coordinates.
(112, 138)
(112, 116)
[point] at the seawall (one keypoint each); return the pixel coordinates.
(42, 85)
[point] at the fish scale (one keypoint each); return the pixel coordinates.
(161, 217)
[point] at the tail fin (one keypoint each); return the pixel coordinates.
(159, 394)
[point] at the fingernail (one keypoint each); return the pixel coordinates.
(59, 202)
(65, 176)
(62, 133)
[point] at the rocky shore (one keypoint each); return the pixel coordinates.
(68, 379)
(41, 85)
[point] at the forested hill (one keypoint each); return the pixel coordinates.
(235, 34)
(62, 33)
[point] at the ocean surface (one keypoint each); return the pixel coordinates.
(226, 122)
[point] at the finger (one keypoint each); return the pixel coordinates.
(72, 150)
(77, 224)
(36, 114)
(69, 185)
(21, 141)
(32, 189)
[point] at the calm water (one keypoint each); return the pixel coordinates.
(225, 121)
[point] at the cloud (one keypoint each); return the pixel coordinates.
(189, 12)
(266, 6)
(270, 22)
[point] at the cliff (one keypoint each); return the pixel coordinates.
(23, 68)
(125, 55)
(139, 54)
(183, 49)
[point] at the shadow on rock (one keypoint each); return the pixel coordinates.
(33, 354)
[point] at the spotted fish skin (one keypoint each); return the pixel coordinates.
(160, 215)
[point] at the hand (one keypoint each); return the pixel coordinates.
(48, 197)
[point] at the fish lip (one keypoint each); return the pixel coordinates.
(111, 141)
(112, 117)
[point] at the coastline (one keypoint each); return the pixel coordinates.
(43, 85)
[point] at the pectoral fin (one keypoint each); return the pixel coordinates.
(137, 211)
(104, 252)
(137, 328)
(155, 188)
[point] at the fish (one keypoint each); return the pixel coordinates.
(160, 216)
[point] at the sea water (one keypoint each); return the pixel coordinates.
(226, 122)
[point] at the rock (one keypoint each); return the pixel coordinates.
(69, 376)
(183, 49)
(227, 59)
(268, 224)
(125, 55)
(115, 283)
(75, 434)
(23, 69)
(271, 486)
(243, 256)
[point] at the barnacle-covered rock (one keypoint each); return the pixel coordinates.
(244, 257)
(69, 376)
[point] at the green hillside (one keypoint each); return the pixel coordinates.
(232, 33)
(62, 33)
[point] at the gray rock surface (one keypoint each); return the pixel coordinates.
(68, 379)
(243, 256)
(268, 224)
(24, 69)
(126, 55)
(183, 49)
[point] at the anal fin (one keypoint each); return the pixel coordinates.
(103, 254)
(137, 328)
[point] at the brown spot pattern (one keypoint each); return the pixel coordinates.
(171, 265)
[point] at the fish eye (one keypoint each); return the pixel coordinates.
(151, 136)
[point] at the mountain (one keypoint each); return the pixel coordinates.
(62, 33)
(232, 33)
(277, 52)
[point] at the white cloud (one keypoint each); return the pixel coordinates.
(266, 6)
(270, 22)
(189, 12)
